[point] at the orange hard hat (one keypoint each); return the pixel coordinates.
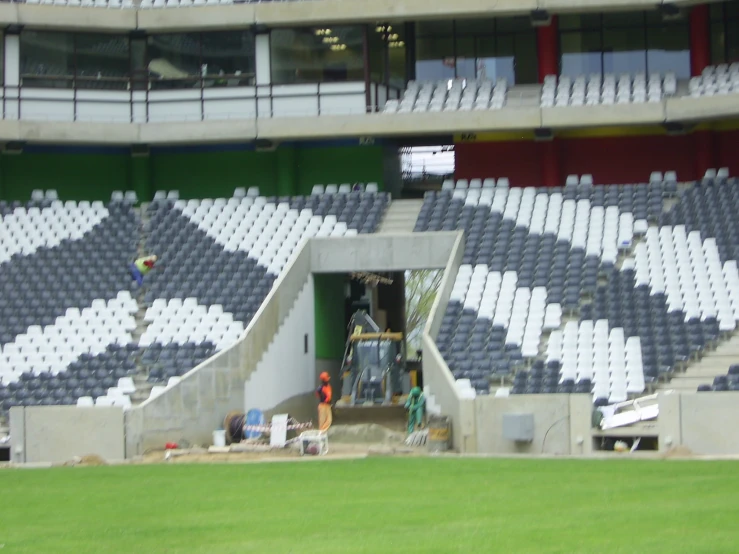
(324, 376)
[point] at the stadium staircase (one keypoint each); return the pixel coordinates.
(702, 371)
(400, 217)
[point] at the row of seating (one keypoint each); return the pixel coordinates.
(449, 96)
(720, 79)
(522, 271)
(606, 89)
(67, 314)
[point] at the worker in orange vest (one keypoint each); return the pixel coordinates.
(324, 394)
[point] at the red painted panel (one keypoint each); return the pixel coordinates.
(547, 46)
(628, 159)
(700, 46)
(517, 160)
(726, 144)
(609, 159)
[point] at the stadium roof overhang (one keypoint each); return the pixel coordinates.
(276, 14)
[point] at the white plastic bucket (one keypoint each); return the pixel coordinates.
(219, 438)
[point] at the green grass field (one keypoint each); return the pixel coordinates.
(375, 505)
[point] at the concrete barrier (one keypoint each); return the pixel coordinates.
(59, 433)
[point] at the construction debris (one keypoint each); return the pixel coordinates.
(417, 438)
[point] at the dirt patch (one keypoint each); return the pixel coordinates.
(198, 456)
(369, 433)
(678, 452)
(88, 460)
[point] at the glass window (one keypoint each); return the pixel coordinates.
(581, 53)
(579, 21)
(227, 58)
(435, 59)
(434, 28)
(725, 32)
(526, 59)
(47, 59)
(315, 55)
(484, 48)
(103, 61)
(378, 52)
(495, 63)
(387, 54)
(669, 49)
(397, 56)
(623, 19)
(624, 50)
(174, 61)
(466, 61)
(627, 42)
(732, 41)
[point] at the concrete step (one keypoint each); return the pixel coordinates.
(701, 372)
(400, 216)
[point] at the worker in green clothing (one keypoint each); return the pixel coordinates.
(141, 267)
(416, 405)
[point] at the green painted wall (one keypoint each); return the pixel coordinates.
(329, 314)
(213, 174)
(289, 170)
(347, 164)
(74, 176)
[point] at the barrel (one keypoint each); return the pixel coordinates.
(439, 433)
(219, 438)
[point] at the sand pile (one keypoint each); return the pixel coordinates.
(365, 433)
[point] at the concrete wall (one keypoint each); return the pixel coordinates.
(287, 369)
(436, 374)
(704, 423)
(555, 416)
(191, 410)
(59, 433)
(382, 252)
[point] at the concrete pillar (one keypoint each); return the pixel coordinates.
(705, 153)
(550, 166)
(262, 59)
(141, 177)
(286, 184)
(547, 49)
(12, 75)
(700, 43)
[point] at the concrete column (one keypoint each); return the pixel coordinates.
(550, 166)
(141, 177)
(286, 183)
(12, 76)
(12, 60)
(547, 49)
(700, 43)
(705, 153)
(262, 59)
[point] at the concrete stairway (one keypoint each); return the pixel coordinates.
(713, 363)
(143, 387)
(400, 217)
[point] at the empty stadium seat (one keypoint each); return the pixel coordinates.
(608, 89)
(532, 254)
(715, 80)
(449, 96)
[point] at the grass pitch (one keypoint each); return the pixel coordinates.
(377, 505)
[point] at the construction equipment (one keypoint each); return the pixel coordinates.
(373, 369)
